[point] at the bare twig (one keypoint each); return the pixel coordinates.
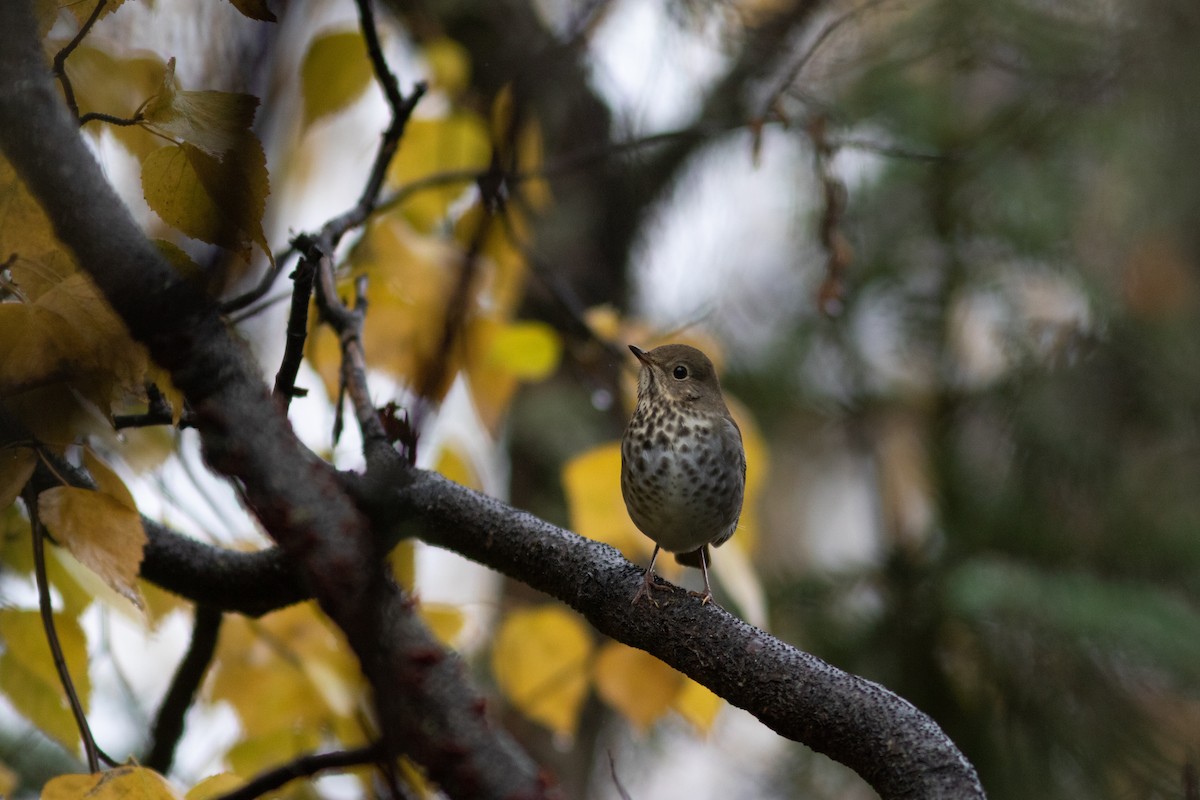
(121, 122)
(306, 766)
(268, 280)
(792, 73)
(168, 727)
(60, 663)
(60, 59)
(348, 325)
(297, 333)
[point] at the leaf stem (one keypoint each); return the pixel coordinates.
(60, 663)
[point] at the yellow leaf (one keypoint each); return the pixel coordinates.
(28, 677)
(57, 415)
(108, 82)
(457, 142)
(403, 559)
(215, 786)
(592, 481)
(697, 704)
(101, 531)
(445, 621)
(119, 783)
(214, 122)
(219, 201)
(9, 780)
(38, 347)
(540, 661)
(107, 481)
(529, 350)
(255, 753)
(106, 364)
(16, 466)
(457, 467)
(335, 71)
(40, 261)
(290, 670)
(178, 258)
(635, 683)
(758, 464)
(410, 277)
(498, 354)
(449, 65)
(82, 11)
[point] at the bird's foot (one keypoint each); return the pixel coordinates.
(647, 588)
(705, 596)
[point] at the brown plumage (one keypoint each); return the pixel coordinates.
(683, 469)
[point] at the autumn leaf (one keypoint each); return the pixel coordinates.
(219, 201)
(540, 660)
(410, 278)
(635, 683)
(16, 466)
(499, 354)
(335, 71)
(449, 65)
(215, 786)
(444, 620)
(456, 142)
(287, 671)
(119, 783)
(116, 84)
(216, 123)
(101, 531)
(697, 704)
(592, 481)
(28, 677)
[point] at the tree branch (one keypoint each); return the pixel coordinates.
(168, 726)
(426, 706)
(305, 766)
(895, 747)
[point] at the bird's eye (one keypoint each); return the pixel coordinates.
(680, 372)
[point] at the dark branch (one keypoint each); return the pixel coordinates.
(424, 702)
(297, 333)
(60, 58)
(303, 767)
(895, 747)
(168, 727)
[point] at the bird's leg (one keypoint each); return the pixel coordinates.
(706, 595)
(648, 583)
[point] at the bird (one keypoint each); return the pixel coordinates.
(683, 466)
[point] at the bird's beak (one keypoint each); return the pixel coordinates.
(640, 353)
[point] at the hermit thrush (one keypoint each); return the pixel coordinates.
(683, 469)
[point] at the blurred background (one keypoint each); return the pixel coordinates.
(945, 255)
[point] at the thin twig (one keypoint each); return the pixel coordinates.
(122, 122)
(60, 58)
(264, 285)
(60, 662)
(297, 334)
(303, 767)
(433, 375)
(168, 726)
(792, 74)
(347, 323)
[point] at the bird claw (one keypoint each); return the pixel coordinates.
(705, 597)
(647, 588)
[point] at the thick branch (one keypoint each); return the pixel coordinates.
(895, 747)
(426, 707)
